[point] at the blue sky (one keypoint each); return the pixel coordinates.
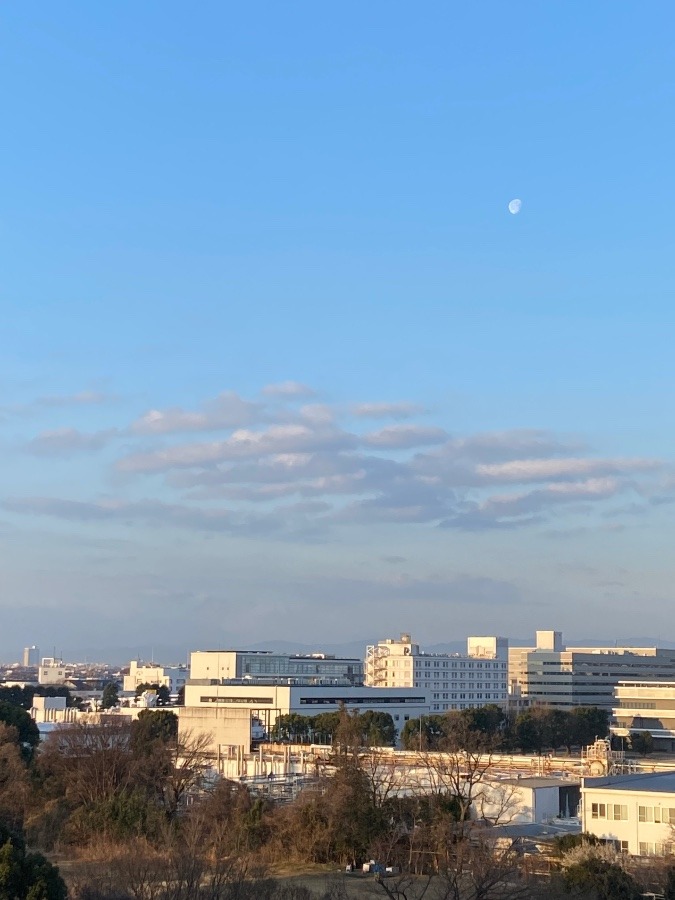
(473, 432)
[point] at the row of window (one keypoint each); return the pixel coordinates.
(454, 665)
(470, 696)
(663, 814)
(617, 812)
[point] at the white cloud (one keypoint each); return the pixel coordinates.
(524, 470)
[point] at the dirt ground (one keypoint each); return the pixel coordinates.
(354, 885)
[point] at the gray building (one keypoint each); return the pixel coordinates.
(552, 675)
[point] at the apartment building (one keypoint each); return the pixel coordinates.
(451, 681)
(552, 675)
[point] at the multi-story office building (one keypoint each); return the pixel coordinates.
(549, 674)
(644, 706)
(451, 681)
(227, 664)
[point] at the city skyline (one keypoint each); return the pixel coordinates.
(279, 364)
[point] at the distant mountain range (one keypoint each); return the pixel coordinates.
(172, 655)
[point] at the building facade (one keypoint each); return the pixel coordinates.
(267, 700)
(549, 674)
(52, 671)
(172, 677)
(219, 664)
(451, 681)
(635, 812)
(645, 707)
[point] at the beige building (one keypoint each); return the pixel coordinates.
(552, 675)
(644, 706)
(452, 681)
(51, 671)
(172, 677)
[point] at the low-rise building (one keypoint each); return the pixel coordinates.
(266, 700)
(52, 671)
(172, 677)
(636, 812)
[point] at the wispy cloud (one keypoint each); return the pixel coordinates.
(69, 442)
(285, 467)
(227, 410)
(288, 389)
(386, 410)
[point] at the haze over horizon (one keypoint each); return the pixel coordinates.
(277, 361)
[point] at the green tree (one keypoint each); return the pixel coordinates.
(16, 717)
(151, 726)
(425, 733)
(586, 723)
(641, 742)
(292, 727)
(489, 719)
(378, 729)
(110, 695)
(26, 876)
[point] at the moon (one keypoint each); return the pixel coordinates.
(514, 207)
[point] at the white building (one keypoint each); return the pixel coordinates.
(451, 681)
(551, 675)
(219, 664)
(172, 677)
(645, 706)
(533, 798)
(636, 812)
(267, 700)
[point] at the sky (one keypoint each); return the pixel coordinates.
(276, 361)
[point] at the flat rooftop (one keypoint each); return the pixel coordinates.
(653, 782)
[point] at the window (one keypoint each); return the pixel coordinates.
(618, 812)
(645, 814)
(598, 811)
